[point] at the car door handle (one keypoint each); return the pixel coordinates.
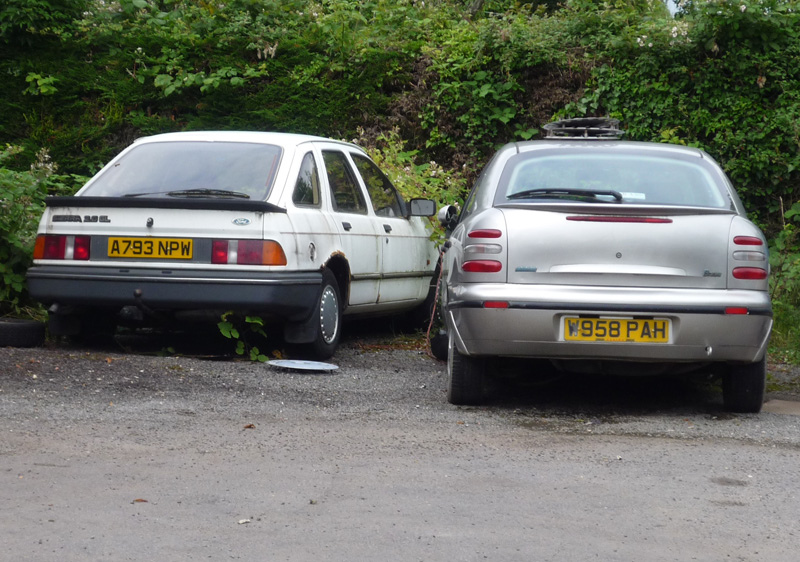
(387, 228)
(347, 226)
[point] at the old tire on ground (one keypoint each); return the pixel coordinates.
(743, 387)
(329, 319)
(464, 377)
(19, 332)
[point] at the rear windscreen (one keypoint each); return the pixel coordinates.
(638, 179)
(164, 168)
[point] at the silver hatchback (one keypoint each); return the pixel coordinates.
(610, 256)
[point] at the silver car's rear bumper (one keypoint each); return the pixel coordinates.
(531, 325)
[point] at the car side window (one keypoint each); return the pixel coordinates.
(385, 199)
(306, 189)
(346, 195)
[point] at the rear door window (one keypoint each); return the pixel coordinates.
(346, 194)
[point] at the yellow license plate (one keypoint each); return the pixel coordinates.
(162, 248)
(624, 330)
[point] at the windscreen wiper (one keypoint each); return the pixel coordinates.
(567, 192)
(145, 193)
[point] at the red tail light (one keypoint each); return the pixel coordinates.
(751, 273)
(219, 251)
(62, 247)
(482, 266)
(747, 241)
(485, 233)
(247, 252)
(495, 304)
(81, 249)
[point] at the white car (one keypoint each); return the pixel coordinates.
(295, 228)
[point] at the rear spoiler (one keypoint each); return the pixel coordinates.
(165, 203)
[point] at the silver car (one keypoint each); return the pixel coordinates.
(609, 256)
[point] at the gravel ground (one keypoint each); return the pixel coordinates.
(124, 454)
(379, 374)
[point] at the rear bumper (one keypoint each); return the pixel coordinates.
(531, 326)
(287, 295)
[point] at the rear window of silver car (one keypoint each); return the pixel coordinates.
(159, 168)
(640, 179)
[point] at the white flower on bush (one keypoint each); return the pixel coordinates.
(742, 8)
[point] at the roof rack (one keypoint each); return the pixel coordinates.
(584, 127)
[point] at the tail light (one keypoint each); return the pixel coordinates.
(747, 241)
(752, 273)
(750, 255)
(478, 249)
(482, 266)
(485, 233)
(62, 247)
(247, 252)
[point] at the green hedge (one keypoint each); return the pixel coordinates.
(446, 80)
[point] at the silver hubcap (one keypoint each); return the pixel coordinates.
(328, 314)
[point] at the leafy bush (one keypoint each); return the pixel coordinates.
(22, 197)
(427, 180)
(435, 85)
(785, 260)
(243, 331)
(724, 78)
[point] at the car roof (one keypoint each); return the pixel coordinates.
(283, 140)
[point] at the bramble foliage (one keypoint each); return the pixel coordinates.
(22, 195)
(427, 180)
(25, 21)
(724, 78)
(442, 81)
(785, 259)
(243, 331)
(785, 285)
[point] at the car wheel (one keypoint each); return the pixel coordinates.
(329, 319)
(439, 345)
(20, 332)
(465, 376)
(743, 387)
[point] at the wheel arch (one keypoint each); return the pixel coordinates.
(338, 265)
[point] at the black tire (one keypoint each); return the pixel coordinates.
(464, 377)
(420, 317)
(439, 345)
(328, 319)
(19, 332)
(744, 386)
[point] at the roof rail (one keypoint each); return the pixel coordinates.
(584, 127)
